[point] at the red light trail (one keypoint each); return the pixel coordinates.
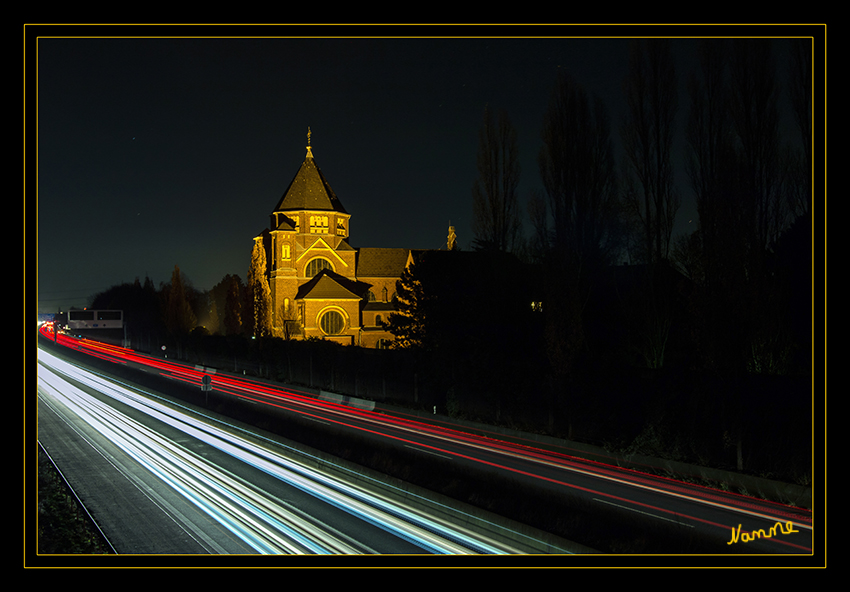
(387, 426)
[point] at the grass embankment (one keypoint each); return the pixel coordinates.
(63, 528)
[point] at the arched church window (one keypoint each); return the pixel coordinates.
(332, 323)
(317, 265)
(319, 224)
(370, 296)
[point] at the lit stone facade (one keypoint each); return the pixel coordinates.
(322, 286)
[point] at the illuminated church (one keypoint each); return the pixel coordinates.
(321, 286)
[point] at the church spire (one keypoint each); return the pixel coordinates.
(309, 190)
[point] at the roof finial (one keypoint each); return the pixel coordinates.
(309, 148)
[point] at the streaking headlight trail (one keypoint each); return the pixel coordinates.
(256, 518)
(560, 468)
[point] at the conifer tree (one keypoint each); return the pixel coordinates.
(408, 324)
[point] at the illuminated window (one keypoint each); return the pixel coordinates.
(332, 323)
(317, 265)
(319, 224)
(284, 252)
(340, 226)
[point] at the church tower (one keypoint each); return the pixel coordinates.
(308, 233)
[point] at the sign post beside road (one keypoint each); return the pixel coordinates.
(206, 386)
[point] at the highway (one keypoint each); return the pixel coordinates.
(727, 522)
(230, 494)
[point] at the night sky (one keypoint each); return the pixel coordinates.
(155, 152)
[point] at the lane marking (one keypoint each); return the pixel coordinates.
(427, 452)
(644, 513)
(306, 416)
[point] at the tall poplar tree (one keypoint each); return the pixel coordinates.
(233, 305)
(800, 89)
(577, 169)
(651, 92)
(754, 101)
(496, 215)
(261, 294)
(651, 97)
(179, 317)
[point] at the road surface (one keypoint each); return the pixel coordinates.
(158, 479)
(727, 522)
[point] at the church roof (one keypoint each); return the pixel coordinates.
(309, 190)
(380, 262)
(328, 285)
(285, 224)
(344, 246)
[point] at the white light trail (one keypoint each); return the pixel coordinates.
(256, 518)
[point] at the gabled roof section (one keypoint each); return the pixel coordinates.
(328, 285)
(321, 247)
(378, 262)
(309, 190)
(285, 224)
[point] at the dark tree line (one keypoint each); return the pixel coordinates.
(724, 305)
(750, 185)
(176, 311)
(748, 190)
